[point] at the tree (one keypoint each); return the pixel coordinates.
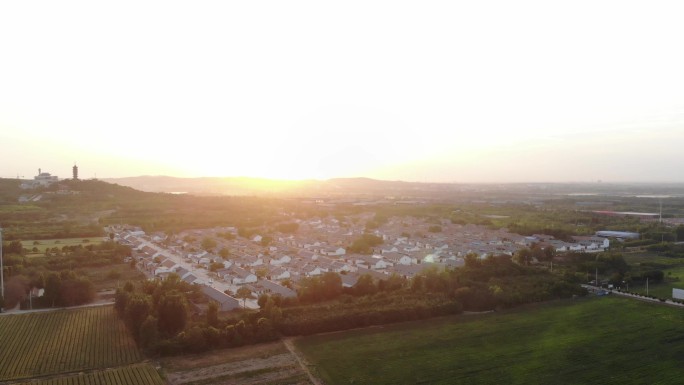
(289, 228)
(14, 247)
(215, 266)
(212, 314)
(654, 276)
(194, 339)
(149, 335)
(244, 294)
(261, 301)
(224, 253)
(208, 243)
(536, 252)
(15, 290)
(76, 290)
(394, 282)
(173, 313)
(265, 330)
(522, 256)
(331, 285)
(471, 260)
(365, 244)
(310, 289)
(121, 301)
(679, 233)
(261, 272)
(549, 253)
(52, 287)
(138, 308)
(271, 310)
(365, 285)
(266, 240)
(418, 283)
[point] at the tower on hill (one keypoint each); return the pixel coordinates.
(75, 171)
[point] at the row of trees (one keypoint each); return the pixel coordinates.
(157, 309)
(61, 273)
(613, 266)
(66, 288)
(157, 312)
(483, 284)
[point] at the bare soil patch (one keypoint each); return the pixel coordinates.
(252, 365)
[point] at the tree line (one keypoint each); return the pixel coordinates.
(59, 273)
(157, 313)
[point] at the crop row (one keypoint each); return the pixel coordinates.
(63, 341)
(142, 374)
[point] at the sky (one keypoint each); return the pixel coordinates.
(453, 91)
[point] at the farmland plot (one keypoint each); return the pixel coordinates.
(589, 341)
(141, 374)
(264, 364)
(64, 341)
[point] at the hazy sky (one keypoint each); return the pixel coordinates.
(450, 91)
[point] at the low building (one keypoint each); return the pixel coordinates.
(223, 300)
(617, 234)
(43, 179)
(274, 288)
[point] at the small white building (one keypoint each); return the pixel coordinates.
(678, 294)
(43, 179)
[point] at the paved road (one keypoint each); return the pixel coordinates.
(204, 275)
(667, 302)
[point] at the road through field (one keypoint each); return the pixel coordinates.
(305, 368)
(667, 302)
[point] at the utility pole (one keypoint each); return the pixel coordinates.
(597, 282)
(660, 219)
(647, 286)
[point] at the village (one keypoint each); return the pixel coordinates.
(274, 263)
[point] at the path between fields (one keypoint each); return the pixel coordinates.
(17, 311)
(302, 363)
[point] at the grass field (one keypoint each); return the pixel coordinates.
(43, 244)
(128, 375)
(64, 341)
(672, 267)
(112, 276)
(602, 340)
(664, 289)
(636, 258)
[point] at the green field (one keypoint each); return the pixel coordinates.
(673, 268)
(637, 258)
(43, 244)
(132, 374)
(63, 341)
(599, 340)
(112, 276)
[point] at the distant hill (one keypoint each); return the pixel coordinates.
(260, 186)
(374, 188)
(211, 186)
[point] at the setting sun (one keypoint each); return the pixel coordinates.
(450, 92)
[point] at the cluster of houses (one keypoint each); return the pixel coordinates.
(319, 246)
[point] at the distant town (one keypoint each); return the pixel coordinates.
(319, 246)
